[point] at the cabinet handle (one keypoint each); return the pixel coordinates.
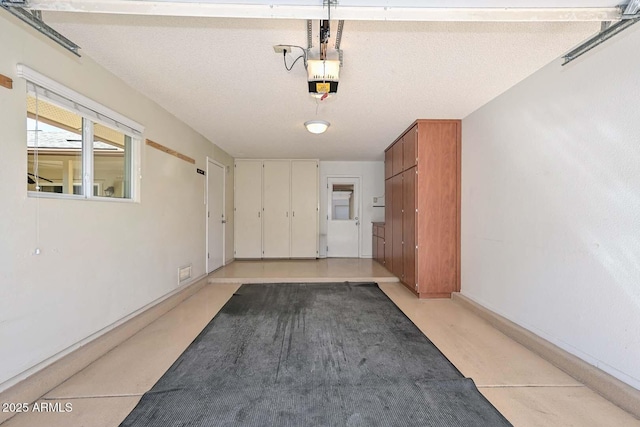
(258, 214)
(287, 214)
(293, 213)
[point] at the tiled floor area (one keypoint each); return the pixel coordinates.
(525, 388)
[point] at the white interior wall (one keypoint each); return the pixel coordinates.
(372, 185)
(551, 206)
(100, 261)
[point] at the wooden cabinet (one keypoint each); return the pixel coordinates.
(409, 181)
(422, 220)
(398, 158)
(397, 266)
(388, 197)
(380, 250)
(410, 148)
(378, 243)
(388, 164)
(374, 243)
(439, 208)
(276, 209)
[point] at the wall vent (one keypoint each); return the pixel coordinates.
(184, 273)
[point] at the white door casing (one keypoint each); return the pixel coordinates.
(343, 217)
(216, 222)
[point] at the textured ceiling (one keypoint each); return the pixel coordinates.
(222, 77)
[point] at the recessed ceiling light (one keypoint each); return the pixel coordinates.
(316, 126)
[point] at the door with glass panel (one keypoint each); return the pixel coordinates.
(343, 217)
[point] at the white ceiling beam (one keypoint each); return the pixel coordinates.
(349, 13)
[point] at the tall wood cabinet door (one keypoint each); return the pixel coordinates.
(374, 245)
(409, 185)
(248, 208)
(397, 157)
(275, 232)
(396, 226)
(388, 163)
(380, 250)
(388, 229)
(304, 208)
(410, 148)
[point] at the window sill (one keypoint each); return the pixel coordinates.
(41, 195)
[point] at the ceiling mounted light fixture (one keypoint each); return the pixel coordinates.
(317, 126)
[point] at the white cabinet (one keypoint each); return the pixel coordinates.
(276, 204)
(248, 209)
(304, 208)
(276, 207)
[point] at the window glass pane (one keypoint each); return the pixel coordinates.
(54, 148)
(342, 202)
(111, 162)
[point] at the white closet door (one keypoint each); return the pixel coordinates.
(304, 208)
(275, 232)
(248, 209)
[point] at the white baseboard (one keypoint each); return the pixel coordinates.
(32, 384)
(616, 391)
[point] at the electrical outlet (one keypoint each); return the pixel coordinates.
(279, 48)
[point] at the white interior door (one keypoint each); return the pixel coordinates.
(304, 208)
(248, 209)
(215, 216)
(276, 229)
(343, 217)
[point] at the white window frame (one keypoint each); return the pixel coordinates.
(96, 186)
(92, 112)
